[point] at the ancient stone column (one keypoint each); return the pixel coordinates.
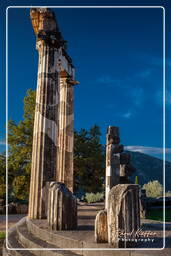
(45, 123)
(62, 207)
(123, 214)
(66, 133)
(113, 150)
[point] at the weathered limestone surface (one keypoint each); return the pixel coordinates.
(143, 203)
(66, 136)
(123, 212)
(45, 125)
(53, 60)
(62, 207)
(101, 232)
(112, 159)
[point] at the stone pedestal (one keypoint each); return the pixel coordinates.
(101, 233)
(62, 207)
(123, 214)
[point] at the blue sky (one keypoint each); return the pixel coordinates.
(118, 56)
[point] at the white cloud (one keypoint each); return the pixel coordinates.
(148, 150)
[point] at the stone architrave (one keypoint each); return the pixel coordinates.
(123, 213)
(62, 207)
(113, 150)
(101, 233)
(66, 135)
(52, 60)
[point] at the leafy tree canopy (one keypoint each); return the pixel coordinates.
(88, 155)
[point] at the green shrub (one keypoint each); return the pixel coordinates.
(153, 188)
(2, 235)
(93, 198)
(168, 193)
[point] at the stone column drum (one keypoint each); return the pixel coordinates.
(45, 123)
(113, 150)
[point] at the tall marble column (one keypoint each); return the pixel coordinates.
(43, 164)
(66, 134)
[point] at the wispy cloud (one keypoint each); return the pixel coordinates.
(144, 74)
(168, 97)
(105, 79)
(110, 80)
(2, 142)
(137, 95)
(156, 61)
(127, 115)
(159, 97)
(148, 150)
(168, 62)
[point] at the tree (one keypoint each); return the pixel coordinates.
(153, 188)
(2, 176)
(20, 138)
(89, 160)
(89, 154)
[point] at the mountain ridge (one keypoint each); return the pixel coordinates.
(150, 168)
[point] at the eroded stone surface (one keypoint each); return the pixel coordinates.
(64, 171)
(113, 150)
(53, 61)
(123, 212)
(101, 233)
(62, 207)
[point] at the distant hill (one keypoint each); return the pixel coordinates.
(150, 168)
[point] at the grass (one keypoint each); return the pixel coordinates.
(2, 235)
(157, 214)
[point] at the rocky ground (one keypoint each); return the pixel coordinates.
(86, 216)
(12, 220)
